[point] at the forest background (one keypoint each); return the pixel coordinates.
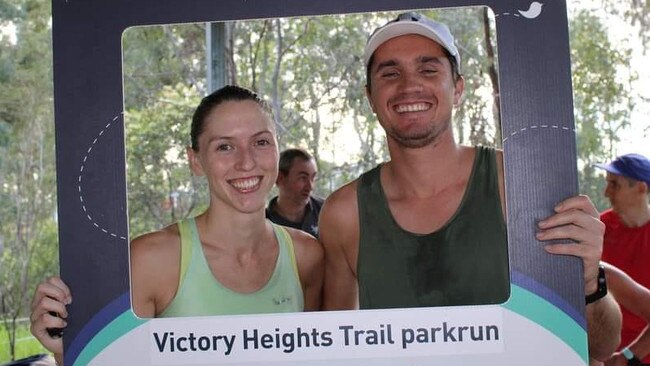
(311, 72)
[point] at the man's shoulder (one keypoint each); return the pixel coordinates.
(316, 201)
(609, 216)
(344, 193)
(268, 211)
(340, 206)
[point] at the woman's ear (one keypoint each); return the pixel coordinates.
(194, 161)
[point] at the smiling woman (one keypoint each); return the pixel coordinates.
(229, 259)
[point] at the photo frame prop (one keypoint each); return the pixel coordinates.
(543, 322)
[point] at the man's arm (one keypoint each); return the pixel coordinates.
(339, 234)
(604, 327)
(577, 219)
(635, 298)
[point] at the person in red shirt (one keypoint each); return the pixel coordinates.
(627, 238)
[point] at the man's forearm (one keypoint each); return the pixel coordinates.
(641, 345)
(604, 327)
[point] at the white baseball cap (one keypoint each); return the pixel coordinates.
(412, 23)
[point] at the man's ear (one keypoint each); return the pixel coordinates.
(459, 88)
(195, 163)
(367, 90)
(280, 178)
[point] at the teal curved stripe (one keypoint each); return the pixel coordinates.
(540, 311)
(120, 326)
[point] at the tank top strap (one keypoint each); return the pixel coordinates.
(286, 247)
(189, 236)
(483, 186)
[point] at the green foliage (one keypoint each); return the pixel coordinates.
(27, 176)
(160, 56)
(477, 122)
(602, 99)
(11, 11)
(636, 12)
(26, 344)
(160, 188)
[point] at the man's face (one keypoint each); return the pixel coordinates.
(412, 90)
(298, 183)
(622, 193)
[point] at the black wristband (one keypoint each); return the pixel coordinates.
(632, 360)
(601, 290)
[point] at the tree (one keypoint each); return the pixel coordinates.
(160, 187)
(637, 12)
(312, 73)
(162, 55)
(602, 99)
(26, 160)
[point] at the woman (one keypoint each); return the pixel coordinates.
(229, 259)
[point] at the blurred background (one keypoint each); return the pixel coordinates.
(310, 70)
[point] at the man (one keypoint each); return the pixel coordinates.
(627, 231)
(388, 231)
(295, 206)
(630, 295)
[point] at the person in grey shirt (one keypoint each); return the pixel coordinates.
(295, 205)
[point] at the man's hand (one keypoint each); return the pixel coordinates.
(576, 219)
(50, 297)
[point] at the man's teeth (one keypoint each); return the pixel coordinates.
(417, 107)
(244, 184)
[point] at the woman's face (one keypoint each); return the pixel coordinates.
(238, 154)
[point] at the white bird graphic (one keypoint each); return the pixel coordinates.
(533, 12)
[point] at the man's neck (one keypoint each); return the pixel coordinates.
(635, 216)
(289, 210)
(427, 169)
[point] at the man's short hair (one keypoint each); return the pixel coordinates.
(287, 156)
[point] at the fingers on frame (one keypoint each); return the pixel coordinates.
(580, 202)
(46, 305)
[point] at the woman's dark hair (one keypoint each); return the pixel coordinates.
(225, 94)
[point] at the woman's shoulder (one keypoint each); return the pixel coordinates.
(157, 243)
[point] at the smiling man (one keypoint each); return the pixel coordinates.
(427, 228)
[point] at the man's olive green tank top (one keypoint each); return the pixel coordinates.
(463, 263)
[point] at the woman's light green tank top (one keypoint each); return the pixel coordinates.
(201, 294)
